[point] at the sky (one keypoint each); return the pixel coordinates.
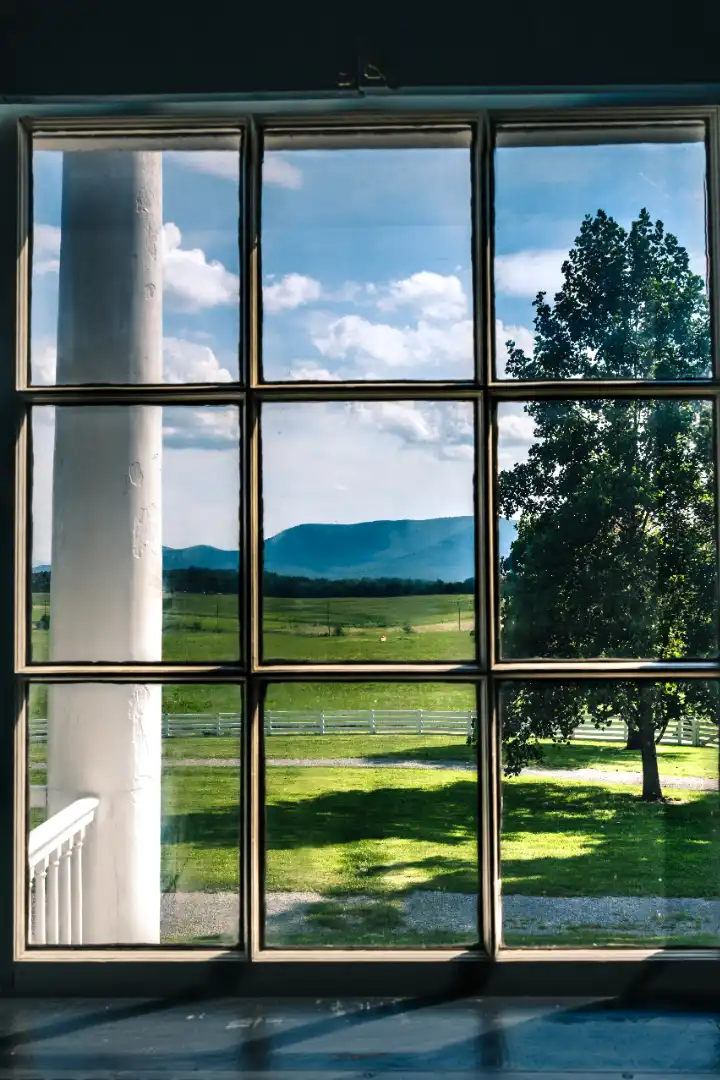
(366, 264)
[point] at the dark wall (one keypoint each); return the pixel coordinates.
(93, 47)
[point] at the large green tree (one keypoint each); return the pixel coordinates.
(615, 554)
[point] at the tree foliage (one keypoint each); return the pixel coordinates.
(615, 554)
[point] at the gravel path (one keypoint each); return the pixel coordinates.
(188, 915)
(603, 776)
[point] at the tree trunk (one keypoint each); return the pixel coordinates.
(633, 739)
(651, 789)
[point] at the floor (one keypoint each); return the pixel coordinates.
(324, 1039)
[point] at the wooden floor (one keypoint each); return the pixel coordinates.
(350, 1039)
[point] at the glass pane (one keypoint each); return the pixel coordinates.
(135, 548)
(135, 814)
(369, 535)
(614, 237)
(135, 265)
(371, 804)
(367, 264)
(611, 821)
(607, 533)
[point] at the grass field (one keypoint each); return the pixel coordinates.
(380, 834)
(206, 628)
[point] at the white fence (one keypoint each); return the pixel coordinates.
(689, 731)
(55, 865)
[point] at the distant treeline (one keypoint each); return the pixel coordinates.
(198, 580)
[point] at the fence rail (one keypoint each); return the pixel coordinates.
(689, 731)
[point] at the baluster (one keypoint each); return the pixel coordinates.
(53, 928)
(65, 897)
(40, 903)
(77, 891)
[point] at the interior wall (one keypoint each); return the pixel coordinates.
(81, 47)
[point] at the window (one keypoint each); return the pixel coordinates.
(370, 552)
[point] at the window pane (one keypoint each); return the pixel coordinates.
(135, 264)
(367, 264)
(611, 822)
(614, 236)
(607, 533)
(371, 803)
(135, 545)
(153, 856)
(367, 517)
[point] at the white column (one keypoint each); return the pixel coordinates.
(106, 546)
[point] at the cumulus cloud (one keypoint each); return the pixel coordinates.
(190, 278)
(309, 371)
(279, 171)
(354, 337)
(222, 163)
(183, 362)
(205, 428)
(46, 249)
(445, 428)
(524, 339)
(435, 296)
(43, 363)
(525, 273)
(190, 362)
(292, 291)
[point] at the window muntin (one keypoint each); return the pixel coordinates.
(614, 233)
(170, 786)
(367, 263)
(607, 529)
(186, 238)
(137, 506)
(371, 803)
(589, 856)
(257, 396)
(369, 547)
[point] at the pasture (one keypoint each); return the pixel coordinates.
(366, 840)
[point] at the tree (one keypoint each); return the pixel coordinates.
(615, 554)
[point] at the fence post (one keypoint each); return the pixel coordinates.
(217, 724)
(695, 731)
(372, 721)
(679, 731)
(419, 721)
(469, 725)
(322, 723)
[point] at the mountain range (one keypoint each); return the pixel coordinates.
(427, 550)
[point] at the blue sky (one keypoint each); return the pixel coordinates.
(366, 274)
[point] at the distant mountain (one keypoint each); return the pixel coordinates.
(427, 550)
(202, 555)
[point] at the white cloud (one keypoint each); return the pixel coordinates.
(446, 428)
(277, 170)
(516, 434)
(436, 296)
(524, 339)
(205, 428)
(525, 273)
(222, 163)
(189, 362)
(46, 249)
(292, 291)
(183, 362)
(309, 371)
(396, 347)
(190, 278)
(43, 363)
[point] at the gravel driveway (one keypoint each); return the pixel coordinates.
(187, 915)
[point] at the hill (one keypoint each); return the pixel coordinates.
(425, 550)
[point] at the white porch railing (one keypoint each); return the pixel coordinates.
(55, 872)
